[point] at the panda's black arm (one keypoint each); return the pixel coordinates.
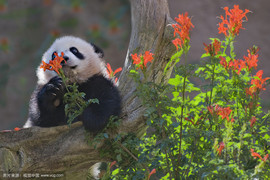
(47, 104)
(96, 116)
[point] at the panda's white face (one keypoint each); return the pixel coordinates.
(83, 60)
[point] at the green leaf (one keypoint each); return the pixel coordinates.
(205, 55)
(175, 81)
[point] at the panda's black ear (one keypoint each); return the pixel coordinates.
(98, 50)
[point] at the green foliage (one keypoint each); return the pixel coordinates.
(75, 103)
(74, 100)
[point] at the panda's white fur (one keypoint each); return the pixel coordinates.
(81, 73)
(85, 68)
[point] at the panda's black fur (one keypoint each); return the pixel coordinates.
(86, 68)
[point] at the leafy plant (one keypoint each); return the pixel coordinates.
(213, 131)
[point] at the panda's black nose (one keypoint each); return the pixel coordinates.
(66, 58)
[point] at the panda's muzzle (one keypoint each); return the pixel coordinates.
(63, 63)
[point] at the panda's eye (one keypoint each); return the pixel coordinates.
(74, 50)
(53, 55)
(76, 53)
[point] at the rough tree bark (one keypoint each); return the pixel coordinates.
(64, 149)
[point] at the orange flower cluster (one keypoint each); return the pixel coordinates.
(213, 49)
(252, 121)
(256, 155)
(232, 22)
(221, 147)
(55, 64)
(249, 62)
(142, 60)
(223, 112)
(214, 111)
(112, 73)
(252, 59)
(182, 29)
(258, 84)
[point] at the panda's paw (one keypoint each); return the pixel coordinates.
(52, 93)
(55, 87)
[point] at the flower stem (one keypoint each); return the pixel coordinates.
(182, 110)
(212, 82)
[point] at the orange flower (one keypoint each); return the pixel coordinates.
(250, 91)
(259, 83)
(213, 49)
(136, 59)
(225, 112)
(256, 155)
(221, 147)
(187, 119)
(142, 60)
(112, 73)
(177, 42)
(251, 60)
(148, 57)
(151, 173)
(55, 64)
(182, 29)
(232, 22)
(237, 65)
(241, 65)
(112, 164)
(17, 129)
(45, 66)
(223, 62)
(214, 111)
(252, 121)
(265, 157)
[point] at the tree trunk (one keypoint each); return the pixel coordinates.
(65, 150)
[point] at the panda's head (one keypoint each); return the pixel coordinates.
(83, 60)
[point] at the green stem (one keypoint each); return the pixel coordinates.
(212, 82)
(182, 112)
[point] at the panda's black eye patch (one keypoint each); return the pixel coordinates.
(53, 55)
(76, 52)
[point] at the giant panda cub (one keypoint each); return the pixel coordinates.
(84, 66)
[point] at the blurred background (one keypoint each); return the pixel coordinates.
(28, 27)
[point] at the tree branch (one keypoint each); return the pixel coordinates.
(64, 149)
